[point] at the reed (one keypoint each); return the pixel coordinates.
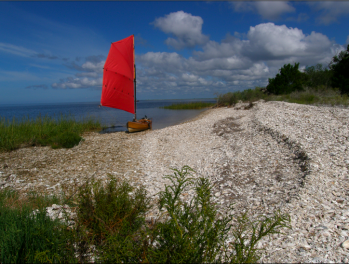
(63, 131)
(187, 106)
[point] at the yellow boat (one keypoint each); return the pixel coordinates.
(139, 125)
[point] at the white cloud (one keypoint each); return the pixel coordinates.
(269, 42)
(93, 66)
(234, 63)
(75, 83)
(237, 62)
(330, 11)
(185, 27)
(271, 10)
(89, 75)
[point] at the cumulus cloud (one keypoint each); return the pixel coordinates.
(186, 28)
(239, 61)
(271, 10)
(329, 11)
(269, 41)
(89, 74)
(234, 63)
(75, 83)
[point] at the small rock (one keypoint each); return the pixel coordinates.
(217, 194)
(344, 234)
(345, 244)
(321, 227)
(305, 246)
(55, 207)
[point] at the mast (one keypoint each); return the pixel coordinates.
(134, 63)
(135, 117)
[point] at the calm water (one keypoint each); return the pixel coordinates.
(114, 118)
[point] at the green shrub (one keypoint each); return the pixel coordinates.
(318, 76)
(249, 95)
(192, 232)
(289, 79)
(112, 216)
(111, 227)
(187, 106)
(27, 238)
(112, 219)
(340, 68)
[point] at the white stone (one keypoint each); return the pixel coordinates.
(345, 244)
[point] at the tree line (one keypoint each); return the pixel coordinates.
(290, 79)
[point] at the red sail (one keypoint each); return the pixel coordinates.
(118, 76)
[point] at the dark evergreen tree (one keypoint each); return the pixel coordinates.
(340, 68)
(289, 79)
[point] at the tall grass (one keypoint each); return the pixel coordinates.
(64, 131)
(111, 227)
(187, 106)
(318, 96)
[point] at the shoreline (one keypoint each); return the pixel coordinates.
(273, 156)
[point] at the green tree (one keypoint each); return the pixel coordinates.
(340, 67)
(289, 79)
(318, 76)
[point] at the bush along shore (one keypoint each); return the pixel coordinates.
(315, 85)
(64, 131)
(109, 225)
(187, 106)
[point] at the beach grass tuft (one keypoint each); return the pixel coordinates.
(61, 132)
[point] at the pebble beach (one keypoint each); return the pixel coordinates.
(272, 156)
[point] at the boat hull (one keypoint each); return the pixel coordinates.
(139, 125)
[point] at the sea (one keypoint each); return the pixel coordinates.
(113, 120)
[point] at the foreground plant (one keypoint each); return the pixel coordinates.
(27, 237)
(110, 218)
(111, 227)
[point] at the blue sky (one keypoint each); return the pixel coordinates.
(54, 52)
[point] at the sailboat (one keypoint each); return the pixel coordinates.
(119, 82)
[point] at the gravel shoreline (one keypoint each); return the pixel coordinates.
(275, 155)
